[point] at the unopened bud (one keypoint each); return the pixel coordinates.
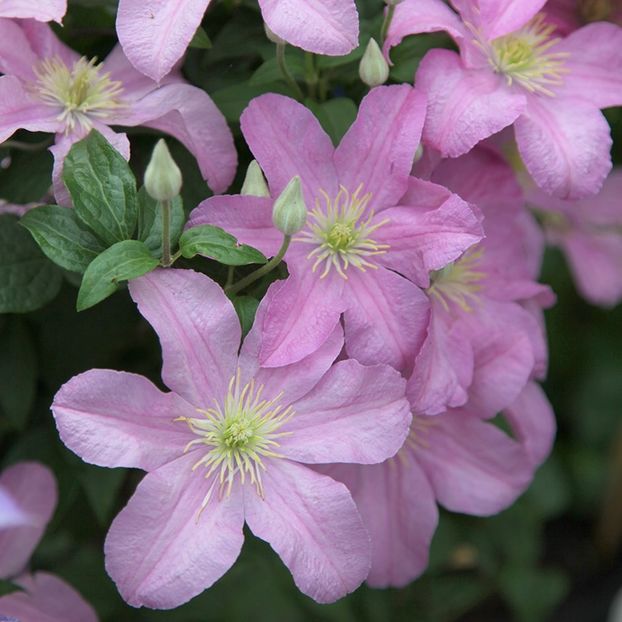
(373, 68)
(272, 36)
(255, 183)
(289, 213)
(162, 177)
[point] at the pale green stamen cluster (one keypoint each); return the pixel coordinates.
(238, 434)
(417, 438)
(82, 91)
(341, 234)
(458, 283)
(523, 57)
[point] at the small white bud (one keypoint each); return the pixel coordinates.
(373, 68)
(272, 36)
(289, 213)
(162, 177)
(255, 183)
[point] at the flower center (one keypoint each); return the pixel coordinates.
(341, 235)
(459, 282)
(238, 434)
(523, 57)
(417, 438)
(82, 91)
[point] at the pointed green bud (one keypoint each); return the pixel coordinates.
(255, 183)
(289, 213)
(373, 68)
(162, 176)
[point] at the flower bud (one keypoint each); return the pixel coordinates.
(162, 176)
(289, 213)
(255, 183)
(373, 69)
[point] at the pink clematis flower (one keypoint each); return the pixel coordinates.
(482, 344)
(589, 232)
(49, 88)
(372, 235)
(466, 464)
(155, 33)
(229, 445)
(512, 69)
(28, 498)
(41, 10)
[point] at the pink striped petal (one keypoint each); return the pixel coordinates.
(41, 10)
(17, 57)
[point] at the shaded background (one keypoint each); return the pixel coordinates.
(555, 555)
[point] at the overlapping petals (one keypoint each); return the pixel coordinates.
(41, 10)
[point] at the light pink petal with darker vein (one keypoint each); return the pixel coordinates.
(416, 16)
(328, 27)
(248, 218)
(17, 57)
(565, 146)
(19, 110)
(464, 105)
(430, 229)
(386, 318)
(311, 521)
(301, 314)
(355, 414)
(46, 44)
(41, 10)
(594, 65)
(287, 140)
(398, 508)
(116, 419)
(198, 329)
(189, 114)
(533, 422)
(33, 488)
(160, 551)
(155, 33)
(378, 150)
(473, 466)
(46, 598)
(501, 17)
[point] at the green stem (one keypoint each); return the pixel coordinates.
(166, 233)
(388, 18)
(230, 275)
(311, 76)
(265, 269)
(22, 146)
(280, 59)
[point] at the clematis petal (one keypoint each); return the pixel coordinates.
(464, 106)
(287, 140)
(161, 550)
(45, 43)
(386, 318)
(46, 598)
(398, 508)
(501, 17)
(33, 489)
(155, 34)
(116, 419)
(378, 150)
(354, 414)
(198, 329)
(565, 146)
(17, 58)
(46, 11)
(327, 27)
(189, 114)
(248, 218)
(301, 314)
(473, 466)
(311, 521)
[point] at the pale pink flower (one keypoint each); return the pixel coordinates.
(49, 88)
(589, 232)
(228, 445)
(512, 69)
(41, 10)
(456, 459)
(155, 33)
(372, 235)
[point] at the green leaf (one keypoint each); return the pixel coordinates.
(246, 307)
(102, 487)
(217, 244)
(102, 187)
(62, 236)
(150, 222)
(270, 72)
(27, 177)
(200, 40)
(335, 115)
(8, 587)
(121, 262)
(232, 100)
(28, 280)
